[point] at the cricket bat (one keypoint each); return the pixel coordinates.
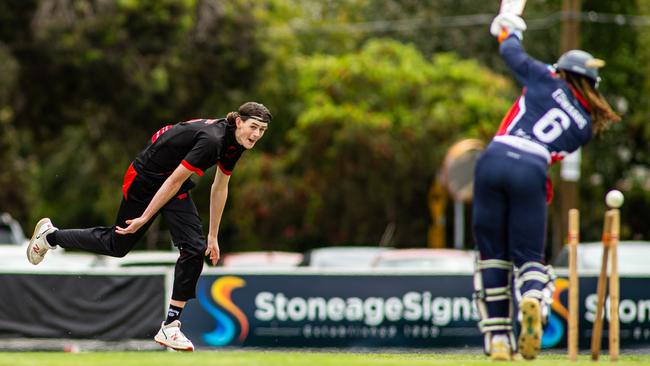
(512, 6)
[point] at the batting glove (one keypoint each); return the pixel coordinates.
(506, 24)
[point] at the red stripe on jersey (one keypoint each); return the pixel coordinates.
(223, 170)
(549, 190)
(555, 157)
(129, 176)
(159, 133)
(510, 116)
(182, 196)
(189, 166)
(580, 98)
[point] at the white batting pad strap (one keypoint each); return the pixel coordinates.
(497, 291)
(534, 276)
(550, 271)
(527, 265)
(496, 320)
(497, 298)
(497, 294)
(548, 291)
(495, 324)
(534, 293)
(493, 263)
(496, 328)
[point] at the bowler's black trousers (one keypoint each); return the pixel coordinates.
(181, 217)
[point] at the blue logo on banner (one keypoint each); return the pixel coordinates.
(555, 329)
(216, 299)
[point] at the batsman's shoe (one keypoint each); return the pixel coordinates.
(170, 335)
(530, 338)
(38, 245)
(500, 349)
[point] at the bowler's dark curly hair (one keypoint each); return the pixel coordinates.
(250, 110)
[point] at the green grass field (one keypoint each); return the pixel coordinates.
(274, 358)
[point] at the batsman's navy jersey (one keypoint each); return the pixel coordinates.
(549, 113)
(511, 188)
(197, 144)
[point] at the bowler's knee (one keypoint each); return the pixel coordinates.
(119, 252)
(193, 251)
(121, 245)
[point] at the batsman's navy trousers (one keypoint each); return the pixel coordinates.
(509, 210)
(181, 217)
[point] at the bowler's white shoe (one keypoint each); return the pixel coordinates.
(530, 338)
(170, 335)
(38, 245)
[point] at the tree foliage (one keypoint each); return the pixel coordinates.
(372, 133)
(98, 77)
(619, 158)
(366, 94)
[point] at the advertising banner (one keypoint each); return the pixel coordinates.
(634, 313)
(370, 310)
(104, 307)
(332, 311)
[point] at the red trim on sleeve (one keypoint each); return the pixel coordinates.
(182, 196)
(549, 190)
(189, 166)
(160, 132)
(510, 116)
(129, 176)
(223, 170)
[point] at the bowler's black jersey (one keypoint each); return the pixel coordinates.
(197, 144)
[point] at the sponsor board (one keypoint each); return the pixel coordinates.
(332, 310)
(634, 313)
(316, 310)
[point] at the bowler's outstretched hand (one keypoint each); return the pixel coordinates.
(133, 226)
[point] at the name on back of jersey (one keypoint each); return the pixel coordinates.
(563, 100)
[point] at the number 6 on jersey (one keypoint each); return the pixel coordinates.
(551, 125)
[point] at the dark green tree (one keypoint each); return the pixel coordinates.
(366, 147)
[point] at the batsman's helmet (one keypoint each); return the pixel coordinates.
(581, 63)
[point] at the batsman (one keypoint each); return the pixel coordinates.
(559, 110)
